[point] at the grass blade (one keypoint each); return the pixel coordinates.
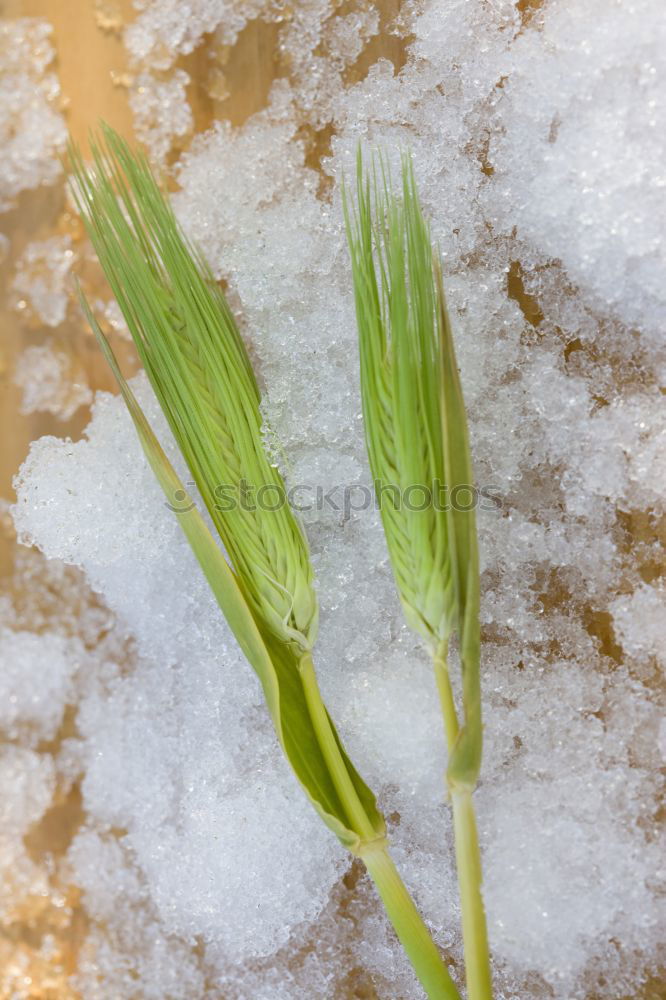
(277, 669)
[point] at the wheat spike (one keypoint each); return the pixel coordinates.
(396, 309)
(198, 366)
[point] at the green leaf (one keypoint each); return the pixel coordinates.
(275, 663)
(465, 759)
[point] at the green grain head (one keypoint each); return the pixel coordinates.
(191, 349)
(413, 410)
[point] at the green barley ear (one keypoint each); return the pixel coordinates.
(396, 309)
(417, 441)
(195, 359)
(415, 425)
(197, 364)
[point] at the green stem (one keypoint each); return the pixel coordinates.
(468, 857)
(468, 860)
(344, 786)
(446, 696)
(408, 924)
